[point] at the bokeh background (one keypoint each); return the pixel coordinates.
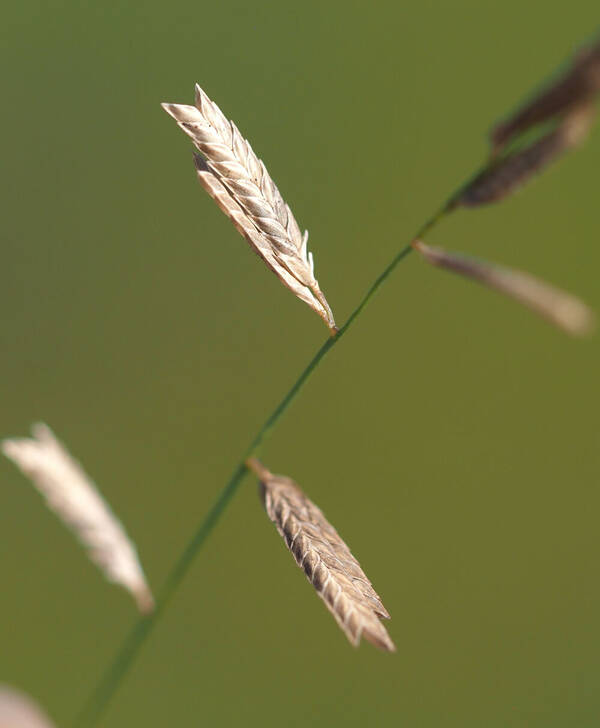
(452, 437)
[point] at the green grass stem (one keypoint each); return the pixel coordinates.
(129, 650)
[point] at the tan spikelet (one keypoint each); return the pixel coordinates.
(76, 500)
(576, 87)
(562, 309)
(241, 186)
(503, 177)
(325, 559)
(18, 710)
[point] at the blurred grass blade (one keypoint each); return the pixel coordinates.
(75, 499)
(565, 311)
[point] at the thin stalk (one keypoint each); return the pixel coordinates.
(130, 648)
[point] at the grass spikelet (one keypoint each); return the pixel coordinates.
(565, 311)
(325, 559)
(241, 186)
(18, 710)
(575, 87)
(75, 499)
(504, 176)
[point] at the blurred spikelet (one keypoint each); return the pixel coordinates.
(75, 499)
(504, 176)
(18, 710)
(562, 309)
(325, 559)
(574, 88)
(241, 186)
(538, 132)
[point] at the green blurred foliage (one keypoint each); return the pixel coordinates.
(452, 437)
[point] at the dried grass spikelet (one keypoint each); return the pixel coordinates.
(504, 176)
(239, 183)
(75, 499)
(18, 710)
(325, 559)
(562, 309)
(574, 88)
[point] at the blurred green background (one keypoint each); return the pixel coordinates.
(451, 437)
